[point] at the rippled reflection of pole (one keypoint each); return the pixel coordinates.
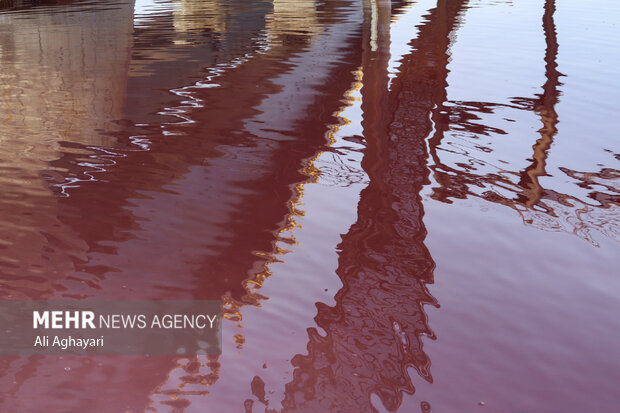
(545, 107)
(373, 332)
(530, 192)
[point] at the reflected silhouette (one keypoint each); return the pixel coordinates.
(188, 197)
(166, 159)
(521, 190)
(373, 333)
(545, 107)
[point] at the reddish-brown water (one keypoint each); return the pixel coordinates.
(404, 207)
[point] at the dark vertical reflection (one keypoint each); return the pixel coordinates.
(373, 333)
(545, 107)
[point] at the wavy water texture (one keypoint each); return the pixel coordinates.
(333, 171)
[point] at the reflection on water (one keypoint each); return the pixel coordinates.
(471, 173)
(373, 333)
(64, 78)
(186, 149)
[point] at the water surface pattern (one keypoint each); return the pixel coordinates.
(404, 206)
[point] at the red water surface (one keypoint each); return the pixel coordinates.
(403, 206)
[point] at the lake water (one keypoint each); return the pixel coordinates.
(405, 207)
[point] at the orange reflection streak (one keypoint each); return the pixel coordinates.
(232, 308)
